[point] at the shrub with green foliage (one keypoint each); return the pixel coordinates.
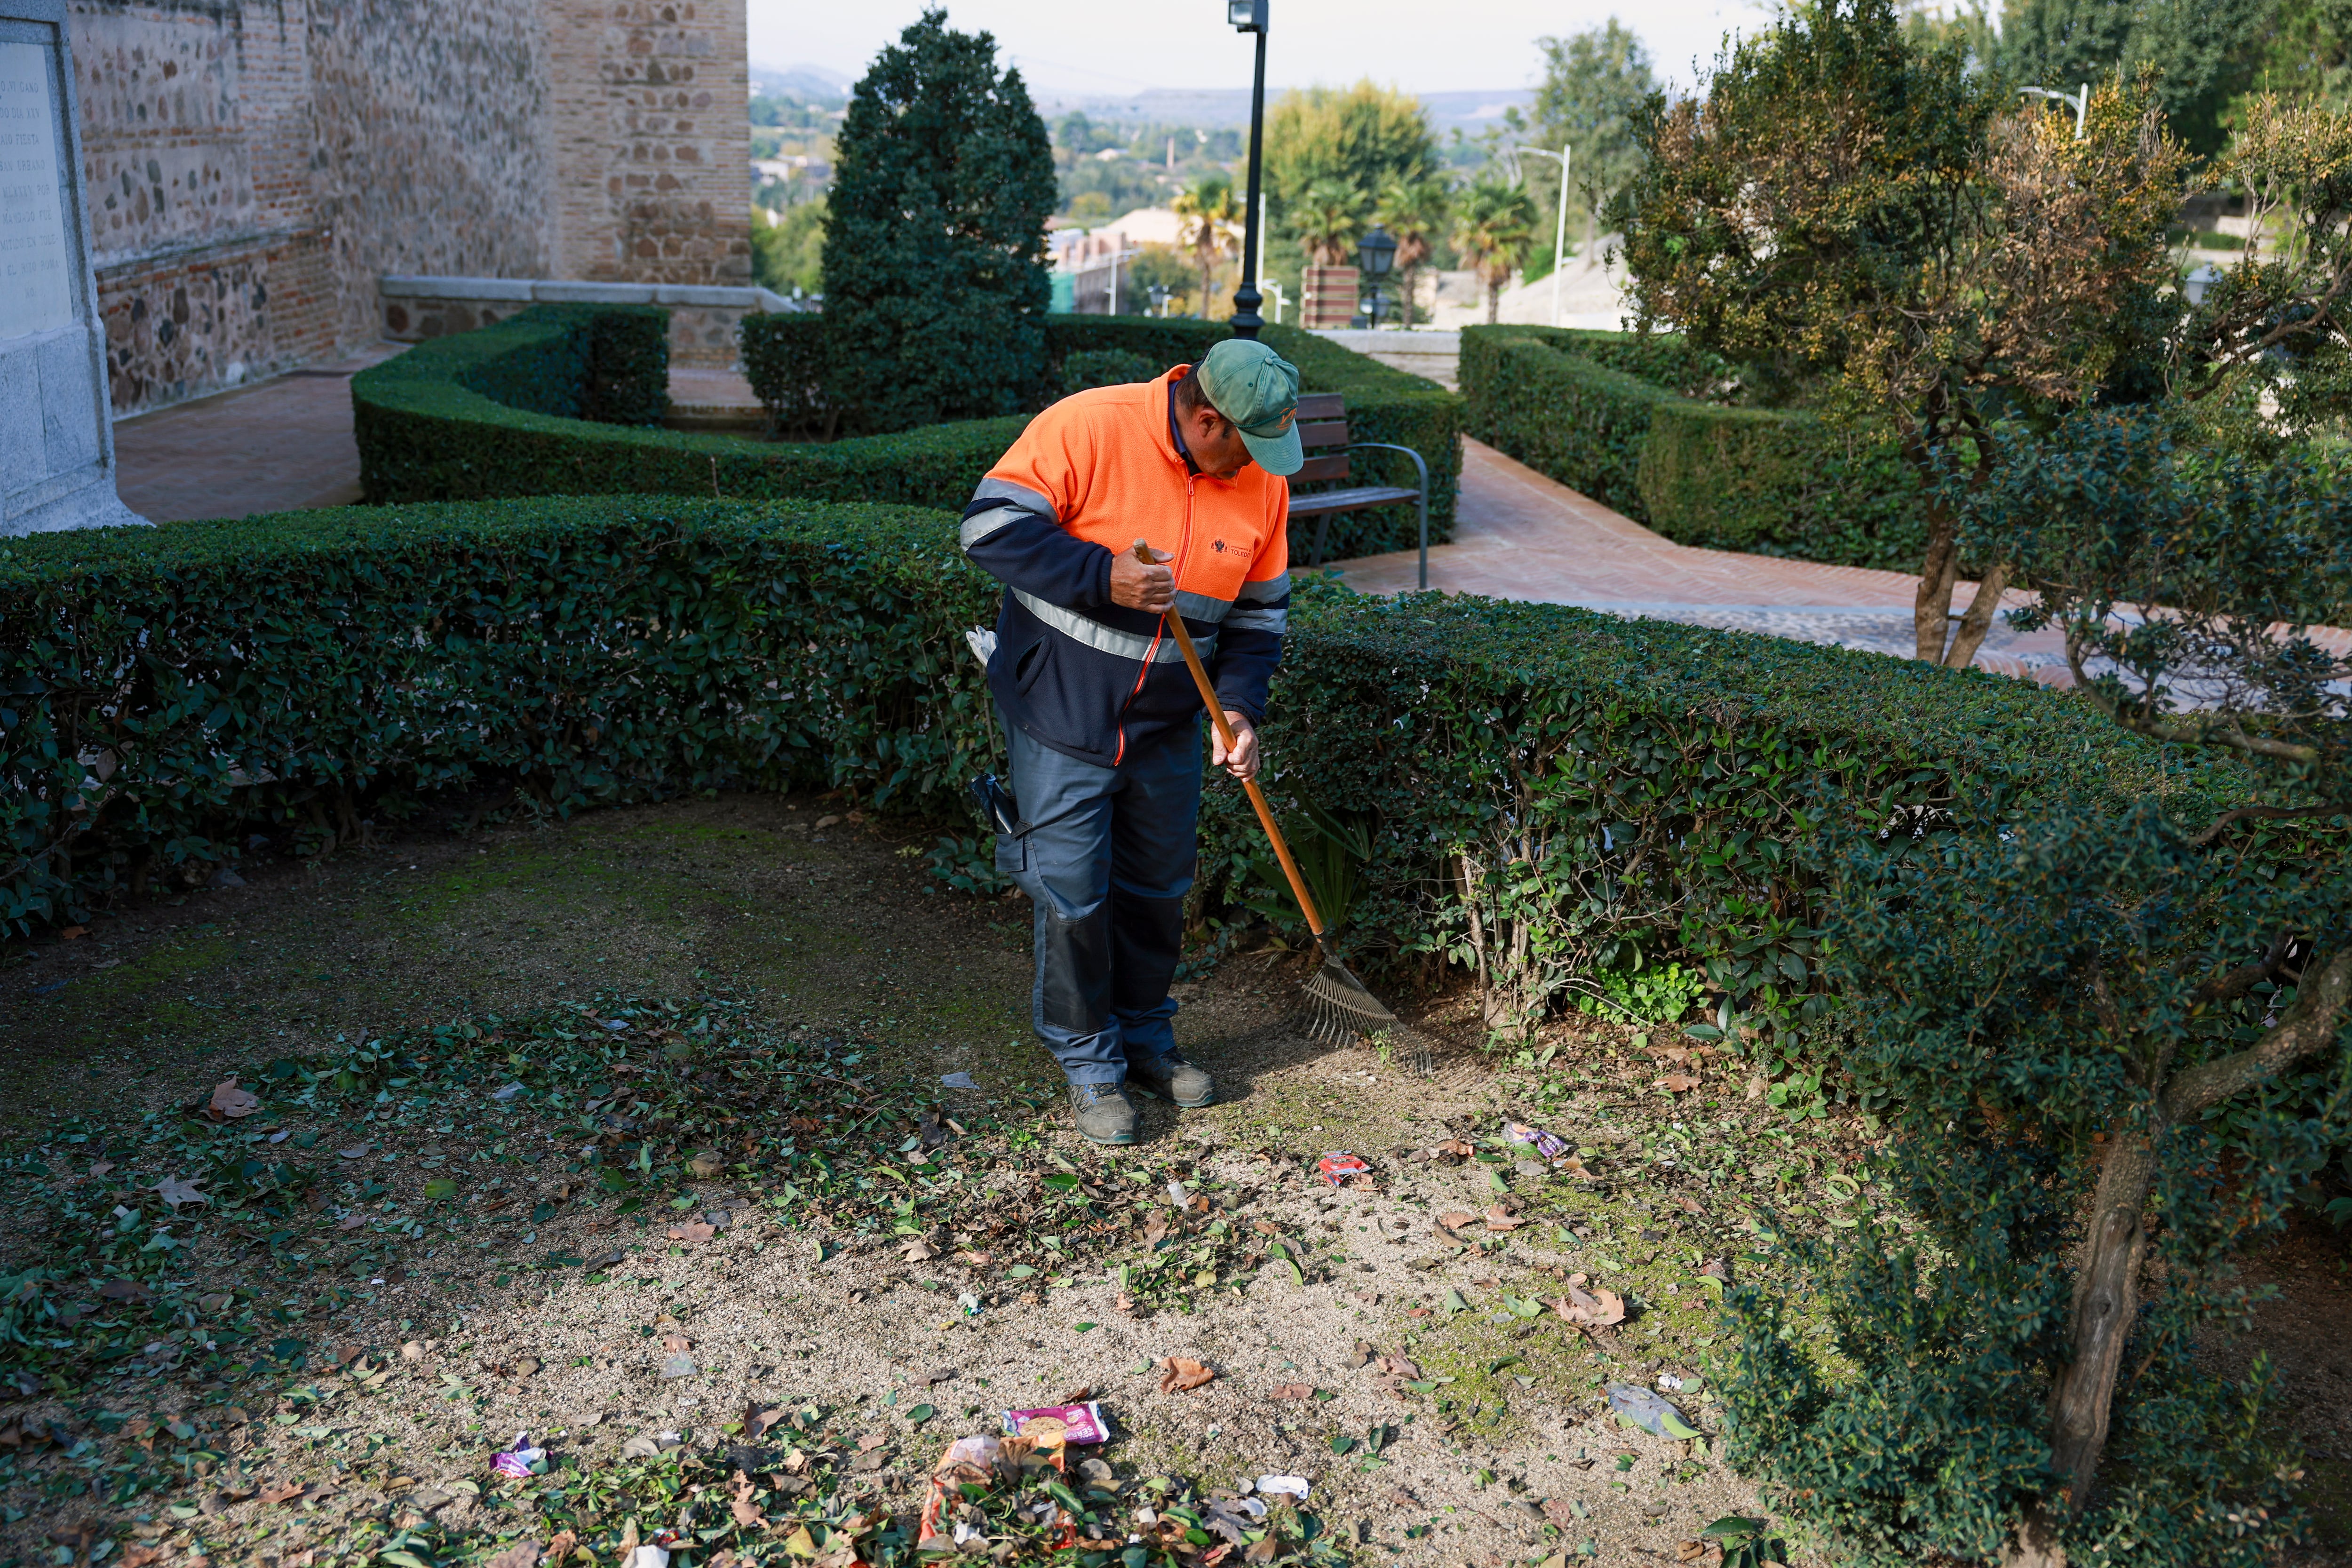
(783, 357)
(428, 431)
(2116, 1036)
(1620, 417)
(935, 286)
(434, 425)
(1608, 788)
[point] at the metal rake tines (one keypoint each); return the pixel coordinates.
(1340, 1012)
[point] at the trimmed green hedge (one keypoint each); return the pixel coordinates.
(783, 357)
(1607, 414)
(497, 413)
(1645, 784)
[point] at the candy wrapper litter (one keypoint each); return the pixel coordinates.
(969, 1461)
(1340, 1168)
(518, 1461)
(1058, 1424)
(1545, 1144)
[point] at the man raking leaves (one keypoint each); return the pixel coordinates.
(1102, 716)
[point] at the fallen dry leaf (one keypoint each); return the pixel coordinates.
(919, 1251)
(231, 1102)
(1181, 1374)
(1496, 1219)
(101, 1168)
(358, 1151)
(1294, 1391)
(1691, 1551)
(1556, 1510)
(1456, 1219)
(1126, 1303)
(706, 1164)
(1155, 1231)
(1679, 1082)
(871, 1441)
(1454, 1150)
(691, 1232)
(1598, 1309)
(412, 1351)
(1266, 1227)
(175, 1191)
(283, 1494)
(524, 1553)
(351, 1222)
(675, 1343)
(1397, 1366)
(738, 1503)
(1574, 1167)
(1689, 1204)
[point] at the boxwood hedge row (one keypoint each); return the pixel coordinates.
(1574, 778)
(533, 405)
(1611, 415)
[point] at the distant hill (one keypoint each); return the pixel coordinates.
(1210, 108)
(813, 84)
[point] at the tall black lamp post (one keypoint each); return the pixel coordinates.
(1375, 253)
(1249, 17)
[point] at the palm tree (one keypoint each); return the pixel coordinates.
(1326, 220)
(1492, 226)
(1414, 211)
(1211, 211)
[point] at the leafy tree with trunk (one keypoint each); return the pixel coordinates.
(2265, 358)
(1865, 224)
(1494, 227)
(1413, 212)
(1594, 86)
(936, 289)
(1327, 219)
(1212, 216)
(2117, 1038)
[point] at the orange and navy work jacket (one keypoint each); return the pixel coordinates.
(1090, 475)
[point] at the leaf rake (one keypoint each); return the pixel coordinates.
(1340, 1009)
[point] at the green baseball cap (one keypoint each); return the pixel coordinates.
(1257, 389)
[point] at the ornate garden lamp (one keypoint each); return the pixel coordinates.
(1375, 253)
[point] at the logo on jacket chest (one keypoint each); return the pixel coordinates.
(1220, 546)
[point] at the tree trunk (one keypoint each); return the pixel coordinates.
(1931, 608)
(1494, 302)
(1979, 620)
(2107, 1304)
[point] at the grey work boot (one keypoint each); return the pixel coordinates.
(1105, 1114)
(1172, 1077)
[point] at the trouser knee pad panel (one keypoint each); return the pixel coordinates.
(1147, 940)
(1075, 969)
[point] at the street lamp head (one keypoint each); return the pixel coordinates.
(1246, 15)
(1376, 252)
(2199, 282)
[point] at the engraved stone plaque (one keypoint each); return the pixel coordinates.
(57, 432)
(36, 282)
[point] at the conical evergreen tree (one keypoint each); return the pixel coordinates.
(935, 285)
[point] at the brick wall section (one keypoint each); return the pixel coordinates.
(254, 166)
(652, 144)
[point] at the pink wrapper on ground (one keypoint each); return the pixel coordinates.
(1083, 1422)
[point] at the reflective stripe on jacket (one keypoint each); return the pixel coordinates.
(1090, 475)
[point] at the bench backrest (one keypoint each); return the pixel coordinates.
(1323, 421)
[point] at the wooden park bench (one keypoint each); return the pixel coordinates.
(1323, 427)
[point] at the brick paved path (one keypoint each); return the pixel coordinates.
(1519, 535)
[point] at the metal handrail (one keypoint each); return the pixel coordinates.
(1424, 468)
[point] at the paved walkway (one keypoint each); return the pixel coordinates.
(1518, 535)
(287, 443)
(279, 446)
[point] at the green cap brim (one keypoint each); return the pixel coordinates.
(1281, 456)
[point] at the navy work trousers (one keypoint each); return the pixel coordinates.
(1107, 861)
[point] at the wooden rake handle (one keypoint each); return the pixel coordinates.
(1175, 623)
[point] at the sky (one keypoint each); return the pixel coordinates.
(1117, 47)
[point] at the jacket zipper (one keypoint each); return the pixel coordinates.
(1183, 553)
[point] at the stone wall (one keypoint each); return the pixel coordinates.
(254, 166)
